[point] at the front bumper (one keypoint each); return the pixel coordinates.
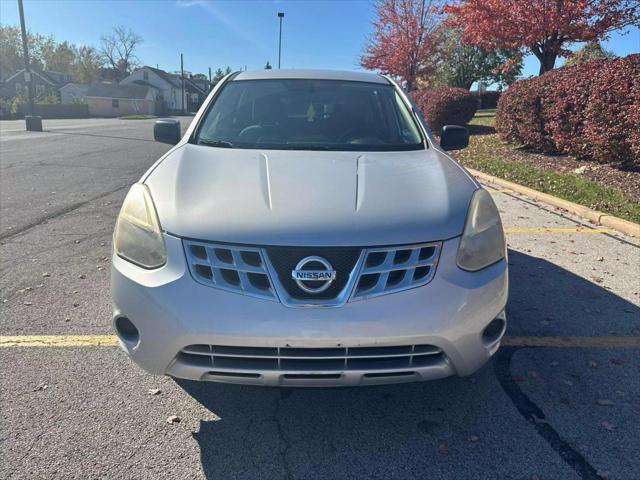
(171, 312)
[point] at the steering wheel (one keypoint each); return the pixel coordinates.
(256, 131)
(250, 129)
(356, 135)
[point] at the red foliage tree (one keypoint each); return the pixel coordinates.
(544, 27)
(405, 40)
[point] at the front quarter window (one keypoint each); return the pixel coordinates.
(309, 115)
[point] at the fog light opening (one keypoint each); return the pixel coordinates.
(494, 331)
(127, 331)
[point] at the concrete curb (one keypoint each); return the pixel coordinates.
(599, 218)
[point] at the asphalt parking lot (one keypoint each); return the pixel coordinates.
(561, 400)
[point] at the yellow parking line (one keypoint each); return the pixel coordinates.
(516, 341)
(58, 340)
(556, 230)
(573, 342)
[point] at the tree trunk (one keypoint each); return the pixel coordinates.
(410, 85)
(547, 63)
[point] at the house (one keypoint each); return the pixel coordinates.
(194, 94)
(170, 88)
(115, 100)
(46, 82)
(73, 93)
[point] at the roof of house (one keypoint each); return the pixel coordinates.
(311, 74)
(193, 84)
(172, 79)
(49, 76)
(114, 90)
(81, 87)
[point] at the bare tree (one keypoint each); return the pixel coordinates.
(118, 50)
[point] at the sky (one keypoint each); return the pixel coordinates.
(238, 33)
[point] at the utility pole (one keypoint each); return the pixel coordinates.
(209, 89)
(280, 16)
(182, 79)
(32, 123)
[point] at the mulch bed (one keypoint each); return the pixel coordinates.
(605, 174)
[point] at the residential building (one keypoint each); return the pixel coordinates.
(73, 93)
(115, 100)
(45, 83)
(170, 89)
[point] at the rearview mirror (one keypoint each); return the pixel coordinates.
(167, 130)
(454, 137)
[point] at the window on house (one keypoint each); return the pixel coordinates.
(115, 103)
(145, 75)
(39, 90)
(18, 89)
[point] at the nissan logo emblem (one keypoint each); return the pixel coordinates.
(319, 271)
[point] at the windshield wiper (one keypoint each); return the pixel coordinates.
(215, 143)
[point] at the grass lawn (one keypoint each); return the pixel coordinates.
(138, 117)
(489, 154)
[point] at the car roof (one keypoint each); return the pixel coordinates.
(311, 75)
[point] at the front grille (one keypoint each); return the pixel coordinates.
(285, 259)
(232, 268)
(388, 270)
(255, 359)
(266, 272)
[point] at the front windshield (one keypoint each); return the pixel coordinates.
(310, 115)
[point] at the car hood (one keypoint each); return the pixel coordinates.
(310, 198)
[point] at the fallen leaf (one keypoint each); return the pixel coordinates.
(42, 386)
(473, 438)
(608, 426)
(154, 391)
(173, 419)
(600, 259)
(443, 447)
(46, 274)
(82, 276)
(593, 364)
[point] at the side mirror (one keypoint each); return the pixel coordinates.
(454, 137)
(167, 130)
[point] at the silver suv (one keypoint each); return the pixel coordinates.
(307, 230)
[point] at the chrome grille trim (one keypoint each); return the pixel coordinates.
(378, 271)
(393, 269)
(320, 360)
(232, 268)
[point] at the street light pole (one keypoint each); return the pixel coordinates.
(182, 79)
(280, 16)
(32, 124)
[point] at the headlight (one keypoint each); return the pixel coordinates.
(138, 237)
(482, 243)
